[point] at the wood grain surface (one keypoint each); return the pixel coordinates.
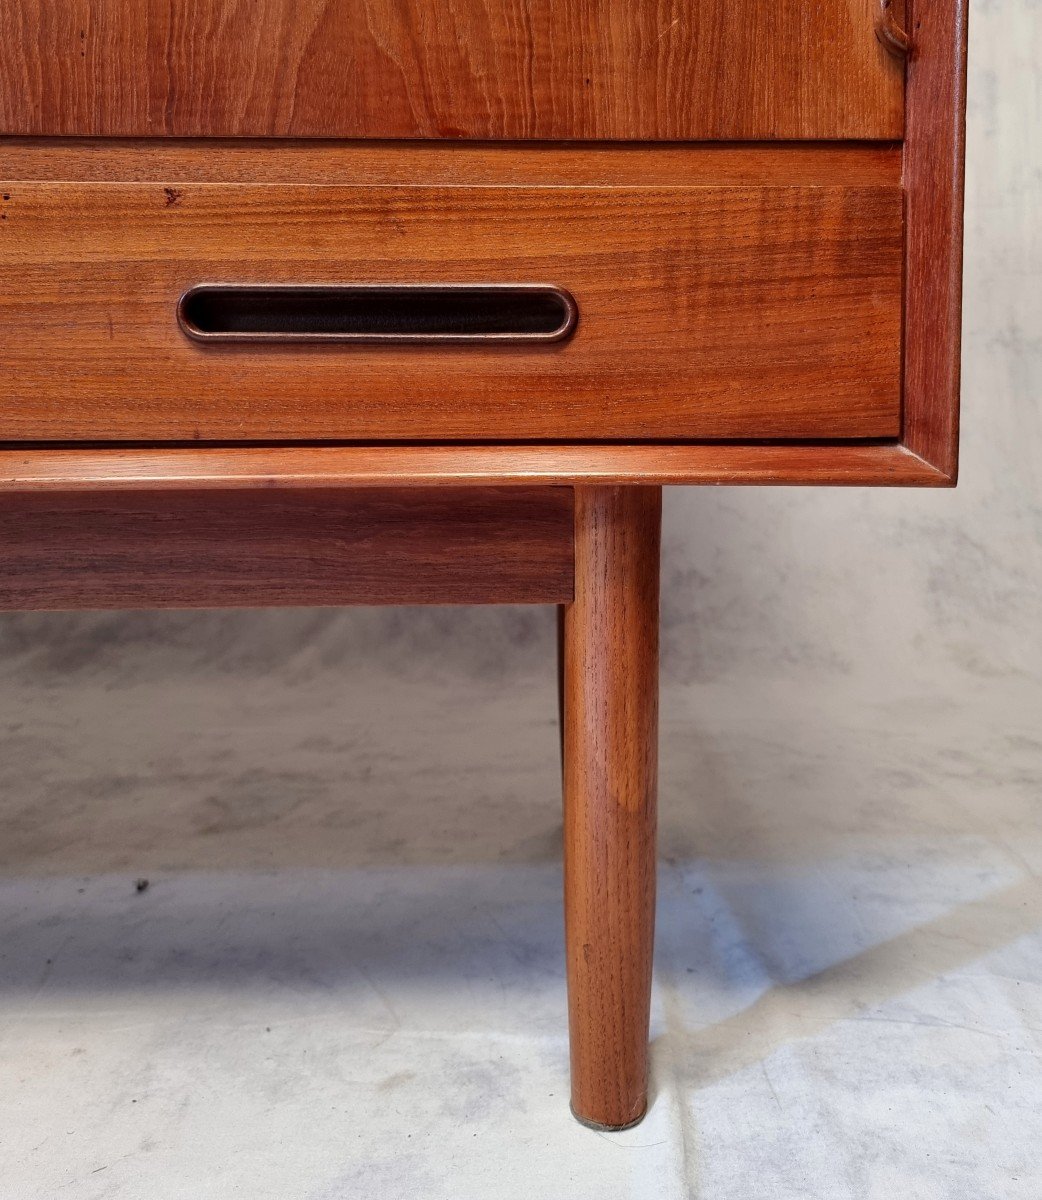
(503, 69)
(610, 781)
(233, 549)
(275, 160)
(244, 468)
(933, 176)
(705, 312)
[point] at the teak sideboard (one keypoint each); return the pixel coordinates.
(322, 302)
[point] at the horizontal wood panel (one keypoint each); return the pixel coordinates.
(501, 69)
(231, 549)
(630, 164)
(705, 312)
(304, 467)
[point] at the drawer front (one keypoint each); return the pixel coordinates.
(704, 312)
(499, 69)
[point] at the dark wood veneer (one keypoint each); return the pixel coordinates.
(201, 548)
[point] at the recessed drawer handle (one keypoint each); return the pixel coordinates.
(455, 313)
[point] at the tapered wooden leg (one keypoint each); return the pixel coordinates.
(610, 779)
(560, 683)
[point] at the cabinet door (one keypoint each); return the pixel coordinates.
(484, 69)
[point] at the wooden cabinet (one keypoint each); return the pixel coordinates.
(478, 279)
(774, 261)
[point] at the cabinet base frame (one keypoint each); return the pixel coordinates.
(233, 468)
(594, 551)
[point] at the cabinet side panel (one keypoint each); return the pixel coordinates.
(934, 157)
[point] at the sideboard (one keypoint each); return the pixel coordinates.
(318, 303)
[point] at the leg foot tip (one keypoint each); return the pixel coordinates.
(604, 1127)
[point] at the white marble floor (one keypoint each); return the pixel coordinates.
(344, 977)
